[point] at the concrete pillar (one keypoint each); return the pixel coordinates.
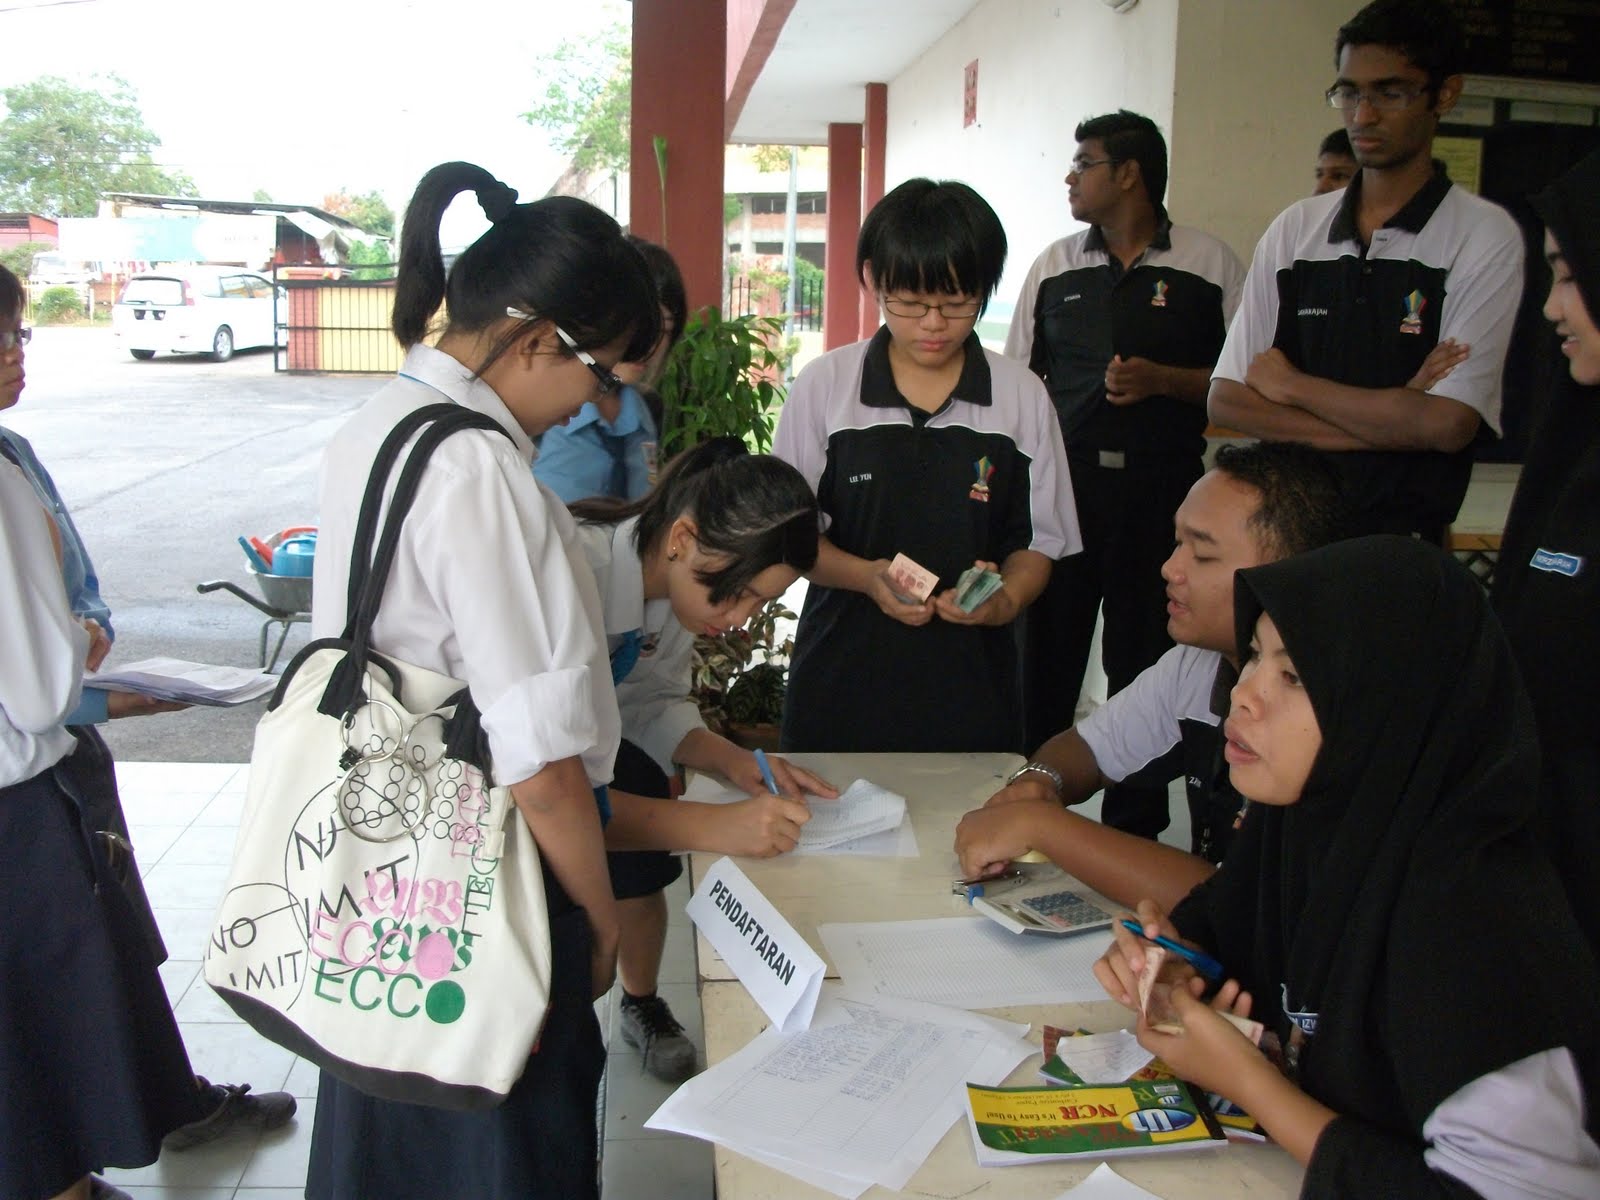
(841, 319)
(875, 127)
(680, 52)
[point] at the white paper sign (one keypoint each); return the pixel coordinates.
(782, 974)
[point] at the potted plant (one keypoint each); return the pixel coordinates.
(722, 379)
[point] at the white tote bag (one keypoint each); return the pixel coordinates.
(385, 912)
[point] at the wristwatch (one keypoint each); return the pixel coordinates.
(1039, 768)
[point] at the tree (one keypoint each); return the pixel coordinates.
(587, 98)
(62, 147)
(19, 258)
(262, 196)
(368, 212)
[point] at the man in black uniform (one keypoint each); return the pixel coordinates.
(1261, 502)
(1348, 293)
(1123, 321)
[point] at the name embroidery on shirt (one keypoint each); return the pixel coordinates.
(980, 489)
(1311, 312)
(1556, 563)
(1412, 322)
(1305, 1022)
(1159, 300)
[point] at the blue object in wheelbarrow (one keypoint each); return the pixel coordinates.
(295, 557)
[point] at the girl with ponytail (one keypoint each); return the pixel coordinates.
(722, 532)
(489, 586)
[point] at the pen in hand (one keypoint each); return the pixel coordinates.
(1204, 963)
(766, 772)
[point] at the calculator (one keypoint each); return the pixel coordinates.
(1054, 912)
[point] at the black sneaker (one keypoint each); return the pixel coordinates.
(232, 1107)
(649, 1026)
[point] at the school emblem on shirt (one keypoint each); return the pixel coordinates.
(980, 489)
(1159, 300)
(1415, 303)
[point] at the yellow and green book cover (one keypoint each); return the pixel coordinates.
(1034, 1124)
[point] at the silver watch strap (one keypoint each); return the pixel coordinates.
(1039, 768)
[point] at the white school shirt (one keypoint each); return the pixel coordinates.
(489, 584)
(41, 646)
(657, 713)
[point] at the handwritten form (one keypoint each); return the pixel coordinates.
(1104, 1057)
(861, 1097)
(866, 819)
(963, 962)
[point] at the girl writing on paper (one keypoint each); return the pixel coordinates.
(489, 587)
(1386, 910)
(722, 533)
(921, 442)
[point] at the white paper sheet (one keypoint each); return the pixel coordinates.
(863, 1095)
(190, 682)
(1105, 1184)
(826, 832)
(779, 969)
(964, 962)
(1104, 1057)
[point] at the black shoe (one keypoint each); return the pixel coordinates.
(232, 1107)
(649, 1026)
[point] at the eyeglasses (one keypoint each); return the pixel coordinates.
(950, 310)
(1080, 164)
(609, 381)
(1390, 97)
(10, 339)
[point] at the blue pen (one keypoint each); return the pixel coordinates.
(1204, 963)
(766, 772)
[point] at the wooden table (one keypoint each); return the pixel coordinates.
(818, 890)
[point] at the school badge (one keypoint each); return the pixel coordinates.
(980, 489)
(1415, 303)
(1159, 300)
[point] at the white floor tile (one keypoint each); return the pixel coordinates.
(186, 885)
(177, 976)
(218, 1164)
(269, 1193)
(166, 1193)
(202, 1006)
(236, 1054)
(303, 1080)
(162, 807)
(671, 1169)
(223, 811)
(201, 845)
(150, 842)
(281, 1156)
(187, 931)
(147, 777)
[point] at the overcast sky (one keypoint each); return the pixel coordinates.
(304, 97)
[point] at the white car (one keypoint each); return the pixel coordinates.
(196, 310)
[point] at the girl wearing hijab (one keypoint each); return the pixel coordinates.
(489, 587)
(1386, 910)
(1547, 584)
(722, 532)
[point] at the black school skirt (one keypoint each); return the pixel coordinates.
(94, 1072)
(542, 1143)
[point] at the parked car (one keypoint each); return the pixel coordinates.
(51, 269)
(197, 310)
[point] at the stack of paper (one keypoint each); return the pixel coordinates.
(861, 1097)
(187, 682)
(862, 809)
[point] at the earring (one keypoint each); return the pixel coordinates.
(672, 556)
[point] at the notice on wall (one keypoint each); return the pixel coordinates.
(1463, 158)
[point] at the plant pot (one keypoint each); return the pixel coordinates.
(762, 736)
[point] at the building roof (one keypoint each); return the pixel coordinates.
(247, 208)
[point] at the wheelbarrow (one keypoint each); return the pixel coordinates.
(284, 599)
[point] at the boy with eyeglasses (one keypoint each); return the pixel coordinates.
(1123, 321)
(920, 442)
(1349, 293)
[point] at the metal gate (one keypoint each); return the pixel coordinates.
(335, 326)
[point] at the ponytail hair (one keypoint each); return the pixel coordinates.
(752, 510)
(559, 259)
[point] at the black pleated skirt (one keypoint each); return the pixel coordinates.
(93, 1072)
(541, 1144)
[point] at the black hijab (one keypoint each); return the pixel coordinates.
(1551, 616)
(1402, 900)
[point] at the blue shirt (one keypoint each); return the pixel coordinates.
(77, 571)
(589, 456)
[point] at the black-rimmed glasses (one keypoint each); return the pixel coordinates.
(609, 381)
(950, 310)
